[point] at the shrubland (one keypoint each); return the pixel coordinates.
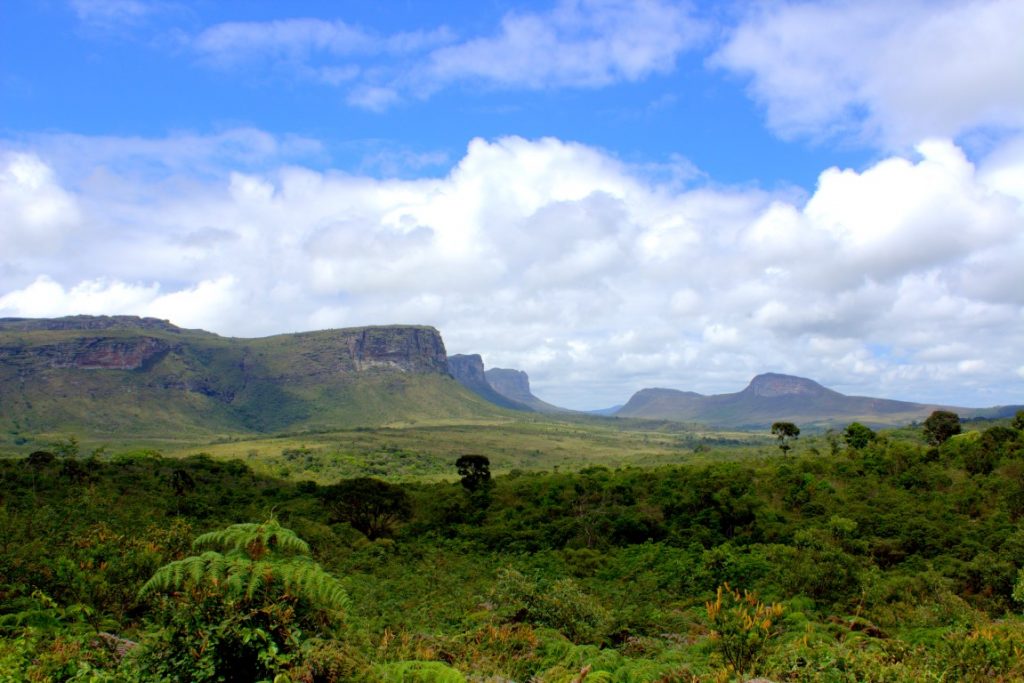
(853, 556)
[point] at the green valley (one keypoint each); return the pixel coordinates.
(347, 505)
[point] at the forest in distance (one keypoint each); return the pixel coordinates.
(852, 555)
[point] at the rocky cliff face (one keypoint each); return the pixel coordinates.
(86, 353)
(514, 384)
(467, 369)
(105, 354)
(409, 349)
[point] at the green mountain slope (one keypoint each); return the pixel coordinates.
(127, 376)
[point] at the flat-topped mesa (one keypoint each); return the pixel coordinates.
(773, 385)
(144, 376)
(87, 323)
(467, 369)
(513, 384)
(405, 348)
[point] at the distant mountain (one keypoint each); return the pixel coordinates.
(468, 370)
(515, 385)
(125, 375)
(773, 397)
(605, 412)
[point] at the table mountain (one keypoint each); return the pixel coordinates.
(468, 370)
(515, 385)
(124, 375)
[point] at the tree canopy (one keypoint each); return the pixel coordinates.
(940, 426)
(784, 432)
(371, 506)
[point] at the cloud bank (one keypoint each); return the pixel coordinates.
(901, 279)
(888, 73)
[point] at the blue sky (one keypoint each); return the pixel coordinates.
(609, 195)
(90, 68)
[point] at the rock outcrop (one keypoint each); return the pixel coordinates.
(468, 370)
(405, 348)
(85, 353)
(515, 385)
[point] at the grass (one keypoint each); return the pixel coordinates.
(406, 451)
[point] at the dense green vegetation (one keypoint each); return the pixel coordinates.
(856, 556)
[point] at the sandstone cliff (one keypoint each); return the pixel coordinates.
(515, 385)
(468, 370)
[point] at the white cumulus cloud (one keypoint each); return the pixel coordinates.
(887, 72)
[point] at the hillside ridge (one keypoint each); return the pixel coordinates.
(771, 397)
(131, 375)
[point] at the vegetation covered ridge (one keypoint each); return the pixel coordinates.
(125, 377)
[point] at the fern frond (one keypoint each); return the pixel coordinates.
(306, 579)
(237, 575)
(256, 540)
(190, 571)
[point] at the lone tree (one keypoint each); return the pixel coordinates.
(475, 471)
(784, 431)
(857, 436)
(371, 506)
(940, 426)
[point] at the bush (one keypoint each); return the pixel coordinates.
(559, 604)
(741, 628)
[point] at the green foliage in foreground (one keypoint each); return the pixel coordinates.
(886, 560)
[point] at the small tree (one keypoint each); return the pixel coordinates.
(940, 426)
(371, 506)
(857, 436)
(475, 471)
(784, 431)
(1018, 421)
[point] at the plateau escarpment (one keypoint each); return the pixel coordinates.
(468, 370)
(126, 375)
(515, 385)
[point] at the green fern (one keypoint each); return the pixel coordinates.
(259, 561)
(256, 540)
